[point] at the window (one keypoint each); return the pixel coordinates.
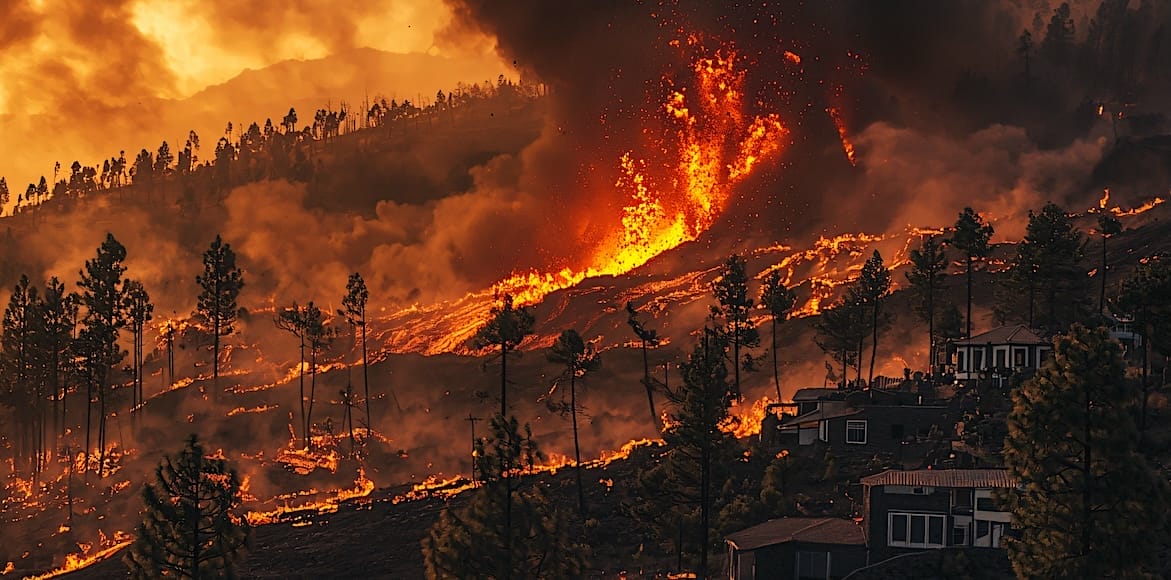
(1020, 357)
(1001, 358)
(812, 565)
(1042, 356)
(977, 360)
(985, 504)
(916, 530)
(823, 430)
(959, 536)
(856, 432)
(960, 359)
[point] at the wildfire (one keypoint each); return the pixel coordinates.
(257, 409)
(745, 422)
(840, 123)
(76, 561)
(363, 486)
(1140, 209)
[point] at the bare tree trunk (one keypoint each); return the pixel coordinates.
(646, 381)
(576, 445)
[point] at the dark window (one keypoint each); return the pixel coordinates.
(898, 528)
(918, 530)
(985, 504)
(856, 432)
(962, 497)
(981, 528)
(1019, 357)
(935, 531)
(1001, 358)
(959, 536)
(897, 432)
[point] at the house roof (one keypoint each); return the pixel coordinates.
(943, 478)
(1019, 334)
(812, 530)
(812, 393)
(820, 415)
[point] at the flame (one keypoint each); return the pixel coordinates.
(792, 57)
(847, 146)
(1105, 191)
(1148, 206)
(745, 421)
(363, 486)
(257, 409)
(76, 561)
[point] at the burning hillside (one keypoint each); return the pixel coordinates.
(621, 168)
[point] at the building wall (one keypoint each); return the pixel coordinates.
(779, 561)
(984, 529)
(886, 427)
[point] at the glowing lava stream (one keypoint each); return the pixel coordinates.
(718, 146)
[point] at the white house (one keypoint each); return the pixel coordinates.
(1014, 348)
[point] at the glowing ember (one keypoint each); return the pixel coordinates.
(363, 486)
(75, 562)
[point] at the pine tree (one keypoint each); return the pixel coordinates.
(104, 297)
(139, 312)
(220, 283)
(970, 236)
(839, 330)
(1056, 248)
(506, 328)
(872, 287)
(191, 524)
(354, 311)
(779, 301)
(477, 540)
(649, 339)
(928, 270)
(679, 491)
(1089, 505)
(308, 325)
(16, 365)
(579, 359)
(731, 291)
(1108, 227)
(1146, 296)
(59, 313)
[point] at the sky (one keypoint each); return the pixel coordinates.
(73, 69)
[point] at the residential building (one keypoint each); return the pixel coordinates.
(1000, 352)
(910, 511)
(866, 421)
(797, 548)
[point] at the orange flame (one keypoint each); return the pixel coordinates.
(847, 146)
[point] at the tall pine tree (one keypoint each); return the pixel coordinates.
(970, 236)
(778, 300)
(1089, 505)
(506, 328)
(220, 286)
(735, 308)
(871, 288)
(579, 358)
(648, 339)
(191, 525)
(928, 269)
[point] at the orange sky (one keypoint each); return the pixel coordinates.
(73, 63)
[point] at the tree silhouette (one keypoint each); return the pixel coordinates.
(191, 524)
(59, 318)
(16, 364)
(307, 323)
(928, 268)
(1146, 296)
(5, 195)
(778, 300)
(354, 311)
(289, 122)
(1055, 246)
(872, 287)
(477, 540)
(1059, 39)
(1088, 505)
(970, 236)
(731, 290)
(648, 338)
(678, 491)
(103, 293)
(139, 312)
(506, 328)
(1108, 227)
(220, 286)
(579, 359)
(1025, 50)
(839, 331)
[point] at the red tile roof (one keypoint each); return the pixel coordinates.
(812, 530)
(973, 478)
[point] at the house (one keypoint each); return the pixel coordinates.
(908, 511)
(999, 351)
(867, 421)
(796, 548)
